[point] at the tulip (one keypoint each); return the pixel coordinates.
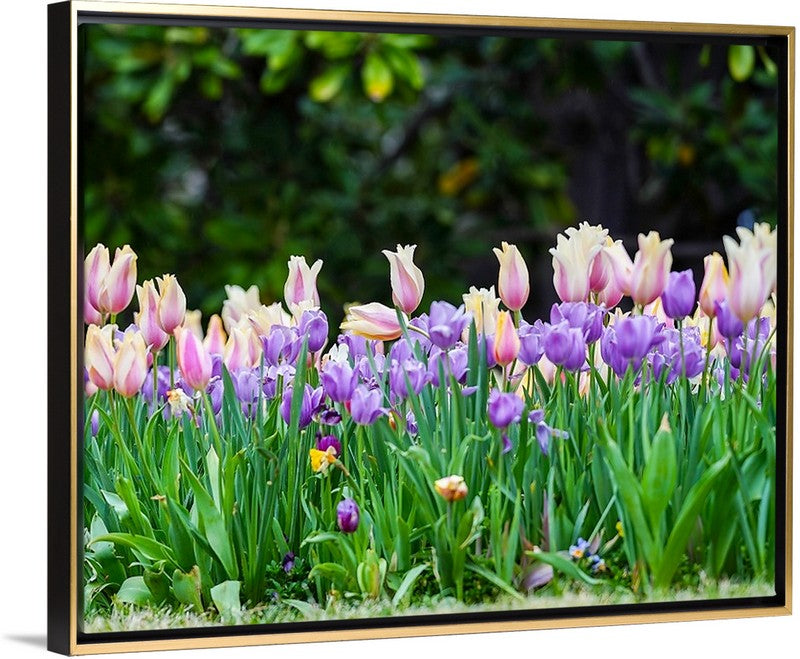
(588, 318)
(373, 321)
(531, 347)
(506, 340)
(715, 283)
(239, 303)
(619, 266)
(301, 284)
(328, 443)
(99, 356)
(484, 305)
(310, 404)
(451, 488)
(95, 268)
(193, 321)
(365, 405)
(651, 267)
(314, 325)
(264, 317)
(749, 285)
(409, 373)
(282, 344)
(565, 346)
(130, 364)
(504, 409)
(339, 381)
(543, 431)
(237, 351)
(347, 515)
(119, 284)
(573, 260)
(446, 324)
(91, 316)
(194, 361)
(513, 282)
(171, 304)
(678, 297)
(215, 336)
(406, 278)
(147, 319)
(763, 237)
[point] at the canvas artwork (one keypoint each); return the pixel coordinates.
(426, 324)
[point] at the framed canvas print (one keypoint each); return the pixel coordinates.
(369, 325)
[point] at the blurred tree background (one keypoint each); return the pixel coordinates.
(217, 153)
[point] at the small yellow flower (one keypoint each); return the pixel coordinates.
(619, 529)
(321, 460)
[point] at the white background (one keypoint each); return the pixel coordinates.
(23, 372)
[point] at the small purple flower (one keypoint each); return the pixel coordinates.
(446, 323)
(282, 343)
(410, 372)
(347, 515)
(95, 423)
(565, 346)
(325, 442)
(411, 423)
(597, 563)
(330, 417)
(288, 562)
(504, 409)
(339, 380)
(543, 431)
(314, 325)
(588, 318)
(679, 296)
(728, 324)
(531, 346)
(365, 405)
(310, 404)
(580, 549)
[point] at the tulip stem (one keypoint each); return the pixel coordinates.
(154, 375)
(171, 363)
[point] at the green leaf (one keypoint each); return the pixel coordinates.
(134, 591)
(741, 62)
(158, 584)
(408, 582)
(333, 571)
(187, 588)
(159, 98)
(406, 65)
(564, 565)
(225, 596)
(494, 579)
(376, 77)
(147, 549)
(660, 475)
(326, 85)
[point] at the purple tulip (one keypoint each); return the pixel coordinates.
(680, 294)
(565, 346)
(365, 370)
(531, 346)
(95, 423)
(314, 325)
(310, 405)
(627, 342)
(246, 385)
(455, 363)
(339, 380)
(329, 417)
(421, 322)
(504, 409)
(666, 357)
(365, 405)
(347, 515)
(588, 318)
(357, 346)
(411, 423)
(743, 352)
(162, 386)
(410, 372)
(282, 343)
(728, 324)
(446, 323)
(325, 442)
(215, 391)
(543, 431)
(487, 343)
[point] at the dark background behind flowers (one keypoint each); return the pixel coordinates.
(218, 153)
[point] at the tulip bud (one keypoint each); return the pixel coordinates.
(347, 515)
(237, 351)
(715, 283)
(194, 361)
(119, 283)
(651, 267)
(130, 364)
(406, 278)
(573, 260)
(619, 266)
(678, 298)
(301, 284)
(506, 340)
(147, 318)
(172, 303)
(215, 336)
(314, 325)
(451, 488)
(91, 316)
(96, 267)
(373, 321)
(514, 282)
(484, 306)
(99, 355)
(749, 286)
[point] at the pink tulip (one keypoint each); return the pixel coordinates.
(215, 336)
(147, 318)
(506, 340)
(172, 303)
(130, 364)
(194, 361)
(715, 283)
(237, 351)
(119, 284)
(406, 278)
(91, 316)
(193, 321)
(373, 321)
(301, 284)
(618, 265)
(573, 260)
(95, 268)
(513, 282)
(749, 285)
(99, 355)
(651, 267)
